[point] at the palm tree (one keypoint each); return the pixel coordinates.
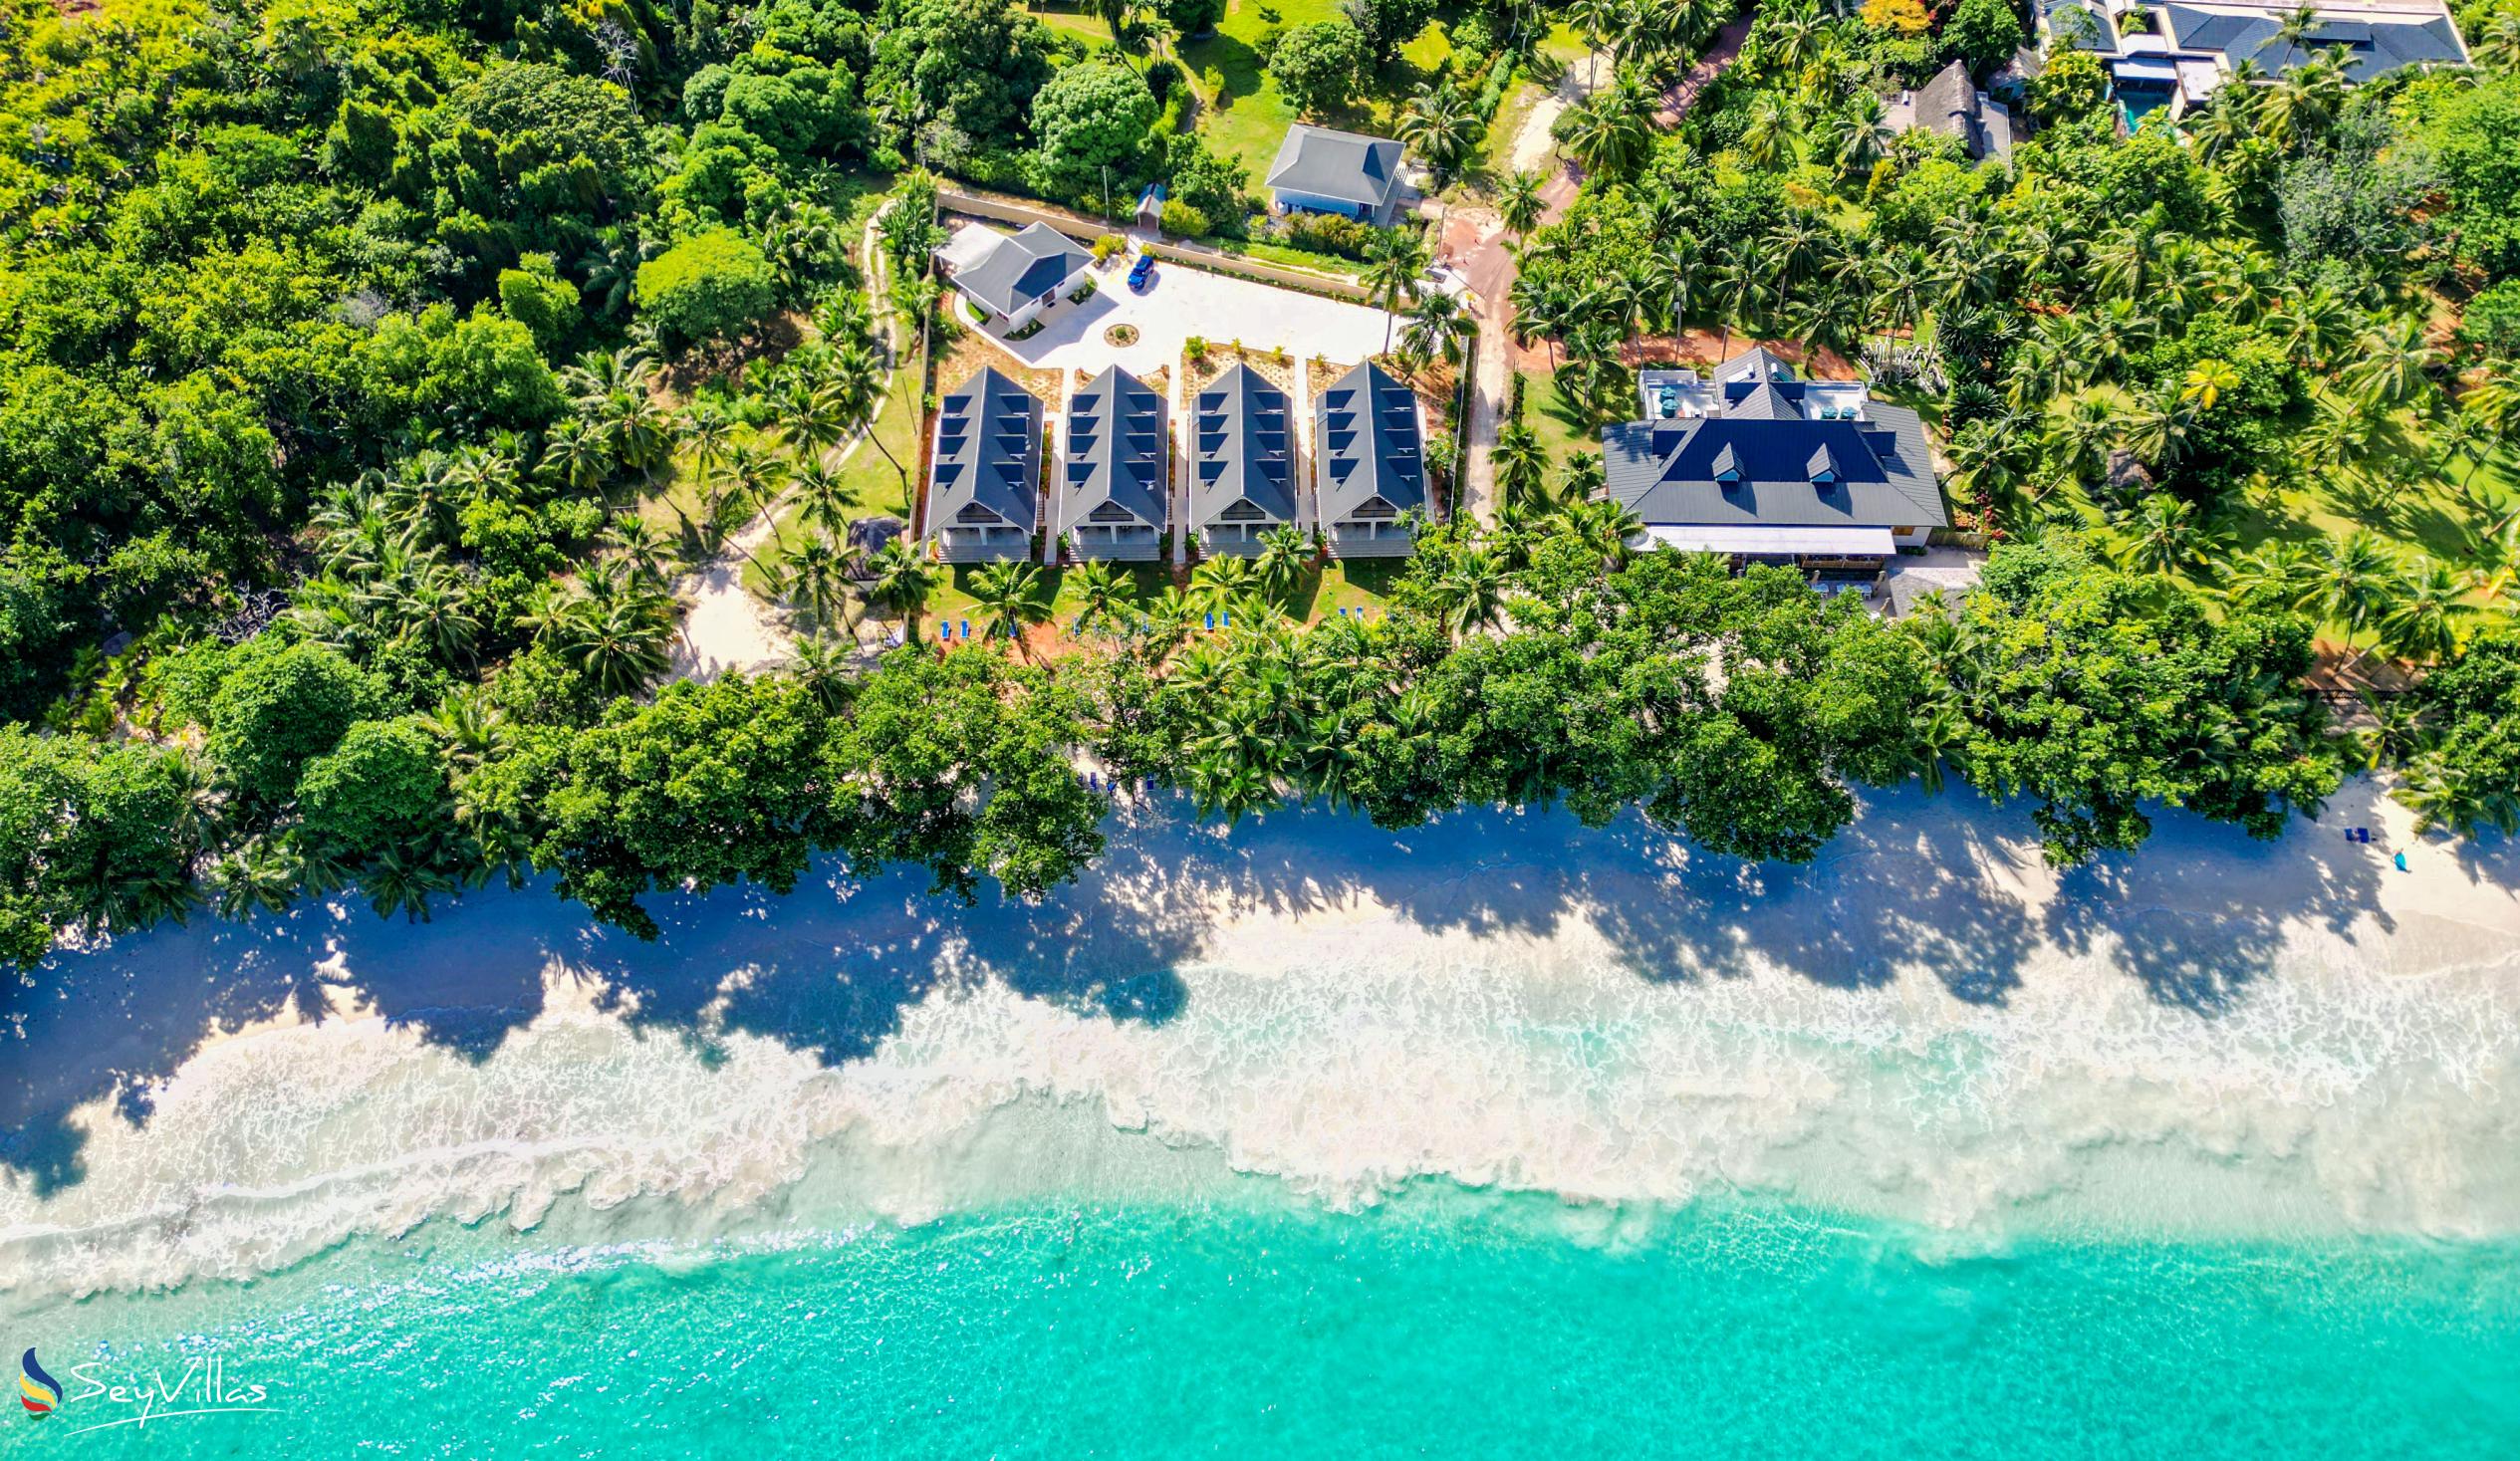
(822, 496)
(1521, 461)
(1285, 554)
(1768, 139)
(1223, 579)
(2206, 381)
(1519, 204)
(821, 664)
(2304, 102)
(817, 578)
(1741, 292)
(2396, 363)
(614, 630)
(1440, 328)
(758, 480)
(1861, 138)
(2346, 581)
(1008, 594)
(1541, 309)
(1611, 132)
(1396, 262)
(1595, 19)
(1102, 593)
(2292, 33)
(2498, 43)
(1441, 125)
(258, 876)
(1470, 594)
(2422, 619)
(902, 578)
(402, 881)
(859, 377)
(2165, 536)
(2447, 794)
(642, 545)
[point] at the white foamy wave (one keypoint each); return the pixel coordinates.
(2357, 1078)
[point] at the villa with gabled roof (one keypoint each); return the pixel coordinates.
(983, 482)
(1114, 489)
(1762, 466)
(1242, 462)
(1370, 455)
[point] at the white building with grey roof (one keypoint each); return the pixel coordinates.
(1114, 487)
(1324, 171)
(1370, 463)
(2184, 50)
(1757, 464)
(1242, 462)
(984, 475)
(1013, 278)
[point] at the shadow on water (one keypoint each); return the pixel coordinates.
(1917, 888)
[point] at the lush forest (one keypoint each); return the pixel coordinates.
(348, 346)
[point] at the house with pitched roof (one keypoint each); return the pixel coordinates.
(1951, 104)
(1370, 463)
(1112, 494)
(1014, 278)
(984, 475)
(2171, 57)
(1761, 466)
(1323, 171)
(1242, 462)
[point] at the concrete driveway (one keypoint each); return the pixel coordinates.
(1182, 302)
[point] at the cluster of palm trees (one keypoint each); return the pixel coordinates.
(824, 393)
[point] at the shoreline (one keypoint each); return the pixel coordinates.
(1927, 1023)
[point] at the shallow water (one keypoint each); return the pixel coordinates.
(1246, 1327)
(1505, 1136)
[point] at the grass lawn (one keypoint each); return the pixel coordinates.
(872, 482)
(1248, 116)
(1563, 429)
(951, 598)
(1079, 22)
(1350, 584)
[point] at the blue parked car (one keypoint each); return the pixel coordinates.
(1142, 273)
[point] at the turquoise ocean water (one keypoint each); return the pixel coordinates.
(1262, 1329)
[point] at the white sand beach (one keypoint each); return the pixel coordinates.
(1927, 1023)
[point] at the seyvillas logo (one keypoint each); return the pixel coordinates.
(37, 1391)
(107, 1400)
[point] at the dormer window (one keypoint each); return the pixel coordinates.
(1823, 468)
(1728, 467)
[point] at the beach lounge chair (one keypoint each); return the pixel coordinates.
(1211, 619)
(945, 631)
(966, 628)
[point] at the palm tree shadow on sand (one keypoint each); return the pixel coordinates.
(1916, 888)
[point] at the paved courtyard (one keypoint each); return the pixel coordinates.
(1182, 302)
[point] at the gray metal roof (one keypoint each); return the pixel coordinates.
(1773, 465)
(1116, 449)
(1950, 103)
(2375, 43)
(2083, 26)
(1370, 443)
(988, 446)
(1021, 268)
(1239, 449)
(1345, 165)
